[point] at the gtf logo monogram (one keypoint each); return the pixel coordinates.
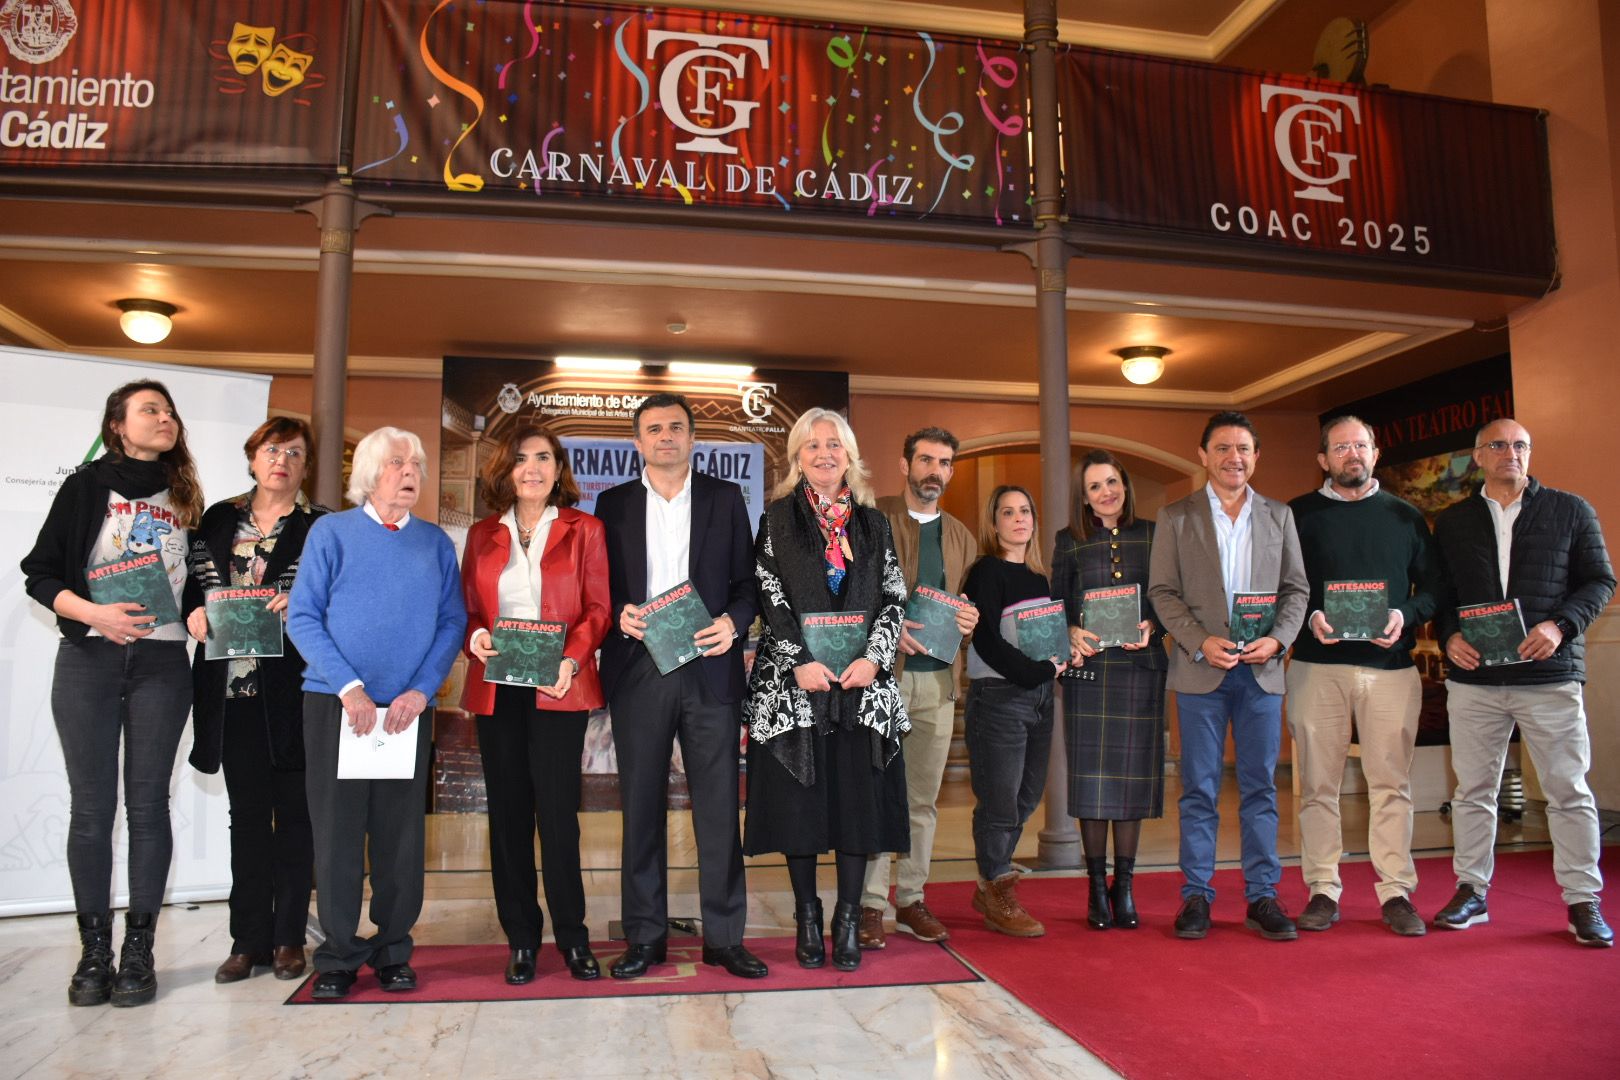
(709, 85)
(756, 400)
(1315, 114)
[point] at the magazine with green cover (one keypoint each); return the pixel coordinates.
(138, 579)
(936, 610)
(1039, 628)
(530, 652)
(1495, 630)
(1113, 613)
(1357, 610)
(240, 626)
(836, 638)
(674, 617)
(1253, 616)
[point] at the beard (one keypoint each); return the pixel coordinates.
(919, 488)
(1353, 480)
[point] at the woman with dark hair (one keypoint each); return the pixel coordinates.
(249, 714)
(536, 557)
(824, 765)
(119, 678)
(1113, 714)
(1008, 715)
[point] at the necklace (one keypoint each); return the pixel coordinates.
(526, 533)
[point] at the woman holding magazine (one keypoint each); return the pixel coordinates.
(1008, 715)
(824, 765)
(121, 673)
(1113, 714)
(248, 714)
(540, 561)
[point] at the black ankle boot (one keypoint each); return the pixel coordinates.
(1124, 902)
(810, 950)
(93, 978)
(1099, 914)
(846, 940)
(136, 981)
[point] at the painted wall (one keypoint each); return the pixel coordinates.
(1433, 47)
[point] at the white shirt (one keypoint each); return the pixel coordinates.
(371, 512)
(669, 537)
(1503, 518)
(120, 536)
(1234, 541)
(517, 594)
(921, 518)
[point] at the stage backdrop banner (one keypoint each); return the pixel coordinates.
(1282, 166)
(53, 404)
(114, 82)
(691, 108)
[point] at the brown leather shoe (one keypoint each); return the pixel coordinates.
(238, 966)
(870, 933)
(998, 902)
(288, 962)
(919, 922)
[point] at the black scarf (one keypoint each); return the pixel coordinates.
(131, 477)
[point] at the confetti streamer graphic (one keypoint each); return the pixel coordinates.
(454, 181)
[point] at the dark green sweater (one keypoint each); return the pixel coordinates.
(1379, 536)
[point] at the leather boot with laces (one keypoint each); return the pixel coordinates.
(998, 902)
(136, 981)
(93, 978)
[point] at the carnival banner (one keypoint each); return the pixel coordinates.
(690, 108)
(147, 82)
(1279, 166)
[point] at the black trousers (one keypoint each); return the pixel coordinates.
(272, 851)
(648, 711)
(531, 778)
(354, 819)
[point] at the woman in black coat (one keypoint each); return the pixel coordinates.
(249, 714)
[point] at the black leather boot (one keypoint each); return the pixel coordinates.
(1124, 903)
(846, 936)
(810, 950)
(136, 981)
(93, 978)
(1099, 914)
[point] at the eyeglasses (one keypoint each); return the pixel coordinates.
(292, 455)
(397, 463)
(1502, 446)
(1340, 449)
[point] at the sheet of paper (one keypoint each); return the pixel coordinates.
(376, 755)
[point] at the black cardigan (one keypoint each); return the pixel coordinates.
(281, 695)
(1558, 568)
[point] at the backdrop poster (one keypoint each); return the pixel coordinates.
(1425, 433)
(742, 426)
(53, 404)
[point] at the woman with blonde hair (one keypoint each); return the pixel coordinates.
(824, 765)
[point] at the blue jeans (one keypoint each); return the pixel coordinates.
(1256, 719)
(1009, 736)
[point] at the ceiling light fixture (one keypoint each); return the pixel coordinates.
(1142, 364)
(598, 363)
(677, 328)
(146, 321)
(713, 370)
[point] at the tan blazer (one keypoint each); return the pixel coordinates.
(957, 544)
(1189, 593)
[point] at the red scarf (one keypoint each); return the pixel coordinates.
(833, 517)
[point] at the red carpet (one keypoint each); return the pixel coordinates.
(1514, 997)
(474, 973)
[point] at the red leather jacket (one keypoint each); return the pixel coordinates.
(574, 590)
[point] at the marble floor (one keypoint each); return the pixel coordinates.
(197, 1029)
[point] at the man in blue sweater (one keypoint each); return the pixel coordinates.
(1350, 530)
(377, 613)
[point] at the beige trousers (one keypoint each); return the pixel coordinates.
(932, 710)
(1322, 699)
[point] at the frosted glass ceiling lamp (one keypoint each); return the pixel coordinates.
(1142, 364)
(710, 369)
(598, 363)
(146, 321)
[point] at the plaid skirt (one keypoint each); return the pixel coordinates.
(1113, 728)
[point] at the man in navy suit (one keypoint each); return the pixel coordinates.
(670, 525)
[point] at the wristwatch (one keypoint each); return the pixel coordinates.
(571, 660)
(1565, 627)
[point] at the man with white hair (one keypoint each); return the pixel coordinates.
(377, 613)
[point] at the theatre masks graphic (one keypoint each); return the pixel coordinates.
(282, 65)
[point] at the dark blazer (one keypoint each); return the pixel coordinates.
(281, 679)
(573, 576)
(1558, 568)
(721, 567)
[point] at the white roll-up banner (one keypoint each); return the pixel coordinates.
(52, 405)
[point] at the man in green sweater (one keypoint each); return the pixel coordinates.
(1349, 530)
